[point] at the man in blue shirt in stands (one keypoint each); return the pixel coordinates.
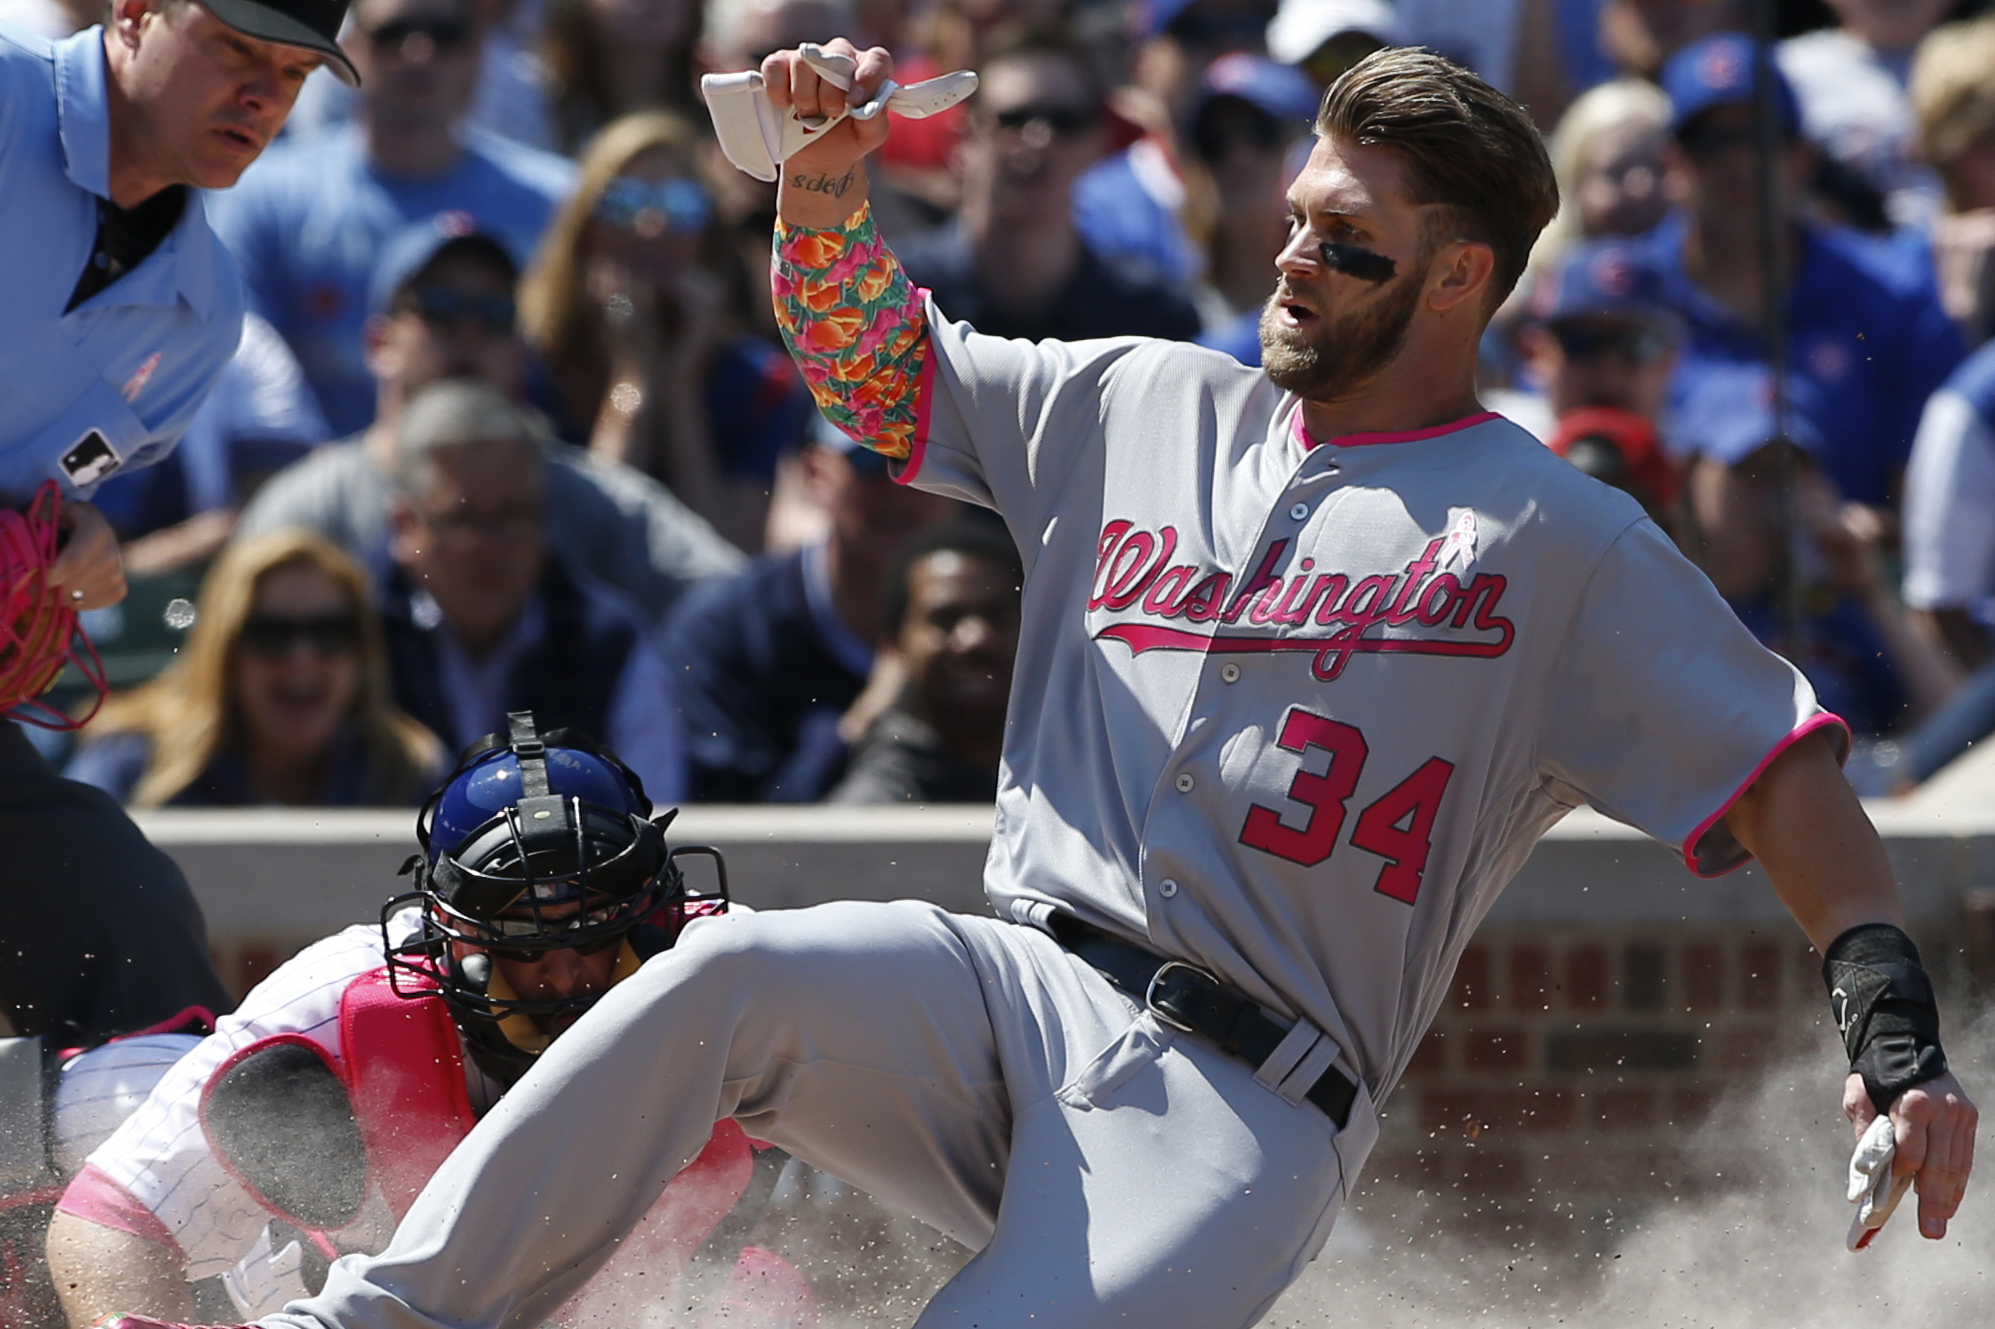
(120, 310)
(1868, 340)
(308, 223)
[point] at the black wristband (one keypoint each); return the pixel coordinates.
(1884, 1007)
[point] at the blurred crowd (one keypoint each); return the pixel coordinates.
(511, 426)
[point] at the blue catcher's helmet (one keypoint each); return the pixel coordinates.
(491, 782)
(535, 844)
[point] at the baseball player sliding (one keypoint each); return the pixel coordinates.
(1310, 659)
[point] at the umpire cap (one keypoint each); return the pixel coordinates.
(312, 24)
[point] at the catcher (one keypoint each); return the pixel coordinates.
(304, 1126)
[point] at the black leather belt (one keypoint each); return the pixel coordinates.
(1188, 998)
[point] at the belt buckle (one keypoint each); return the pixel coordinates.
(1150, 992)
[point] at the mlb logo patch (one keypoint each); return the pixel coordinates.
(90, 459)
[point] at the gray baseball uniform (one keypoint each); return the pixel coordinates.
(1292, 712)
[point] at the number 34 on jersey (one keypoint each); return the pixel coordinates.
(1397, 827)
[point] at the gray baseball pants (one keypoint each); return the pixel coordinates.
(969, 1071)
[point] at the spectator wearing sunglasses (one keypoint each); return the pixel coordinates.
(1868, 340)
(1599, 333)
(280, 696)
(1014, 263)
(307, 223)
(443, 308)
(1607, 153)
(650, 368)
(1252, 114)
(1138, 205)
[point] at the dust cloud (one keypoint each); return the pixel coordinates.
(1756, 1256)
(1703, 1249)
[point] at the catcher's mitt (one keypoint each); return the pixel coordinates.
(39, 634)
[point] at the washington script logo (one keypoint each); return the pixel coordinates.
(1435, 605)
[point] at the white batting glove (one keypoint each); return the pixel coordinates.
(758, 138)
(1873, 1190)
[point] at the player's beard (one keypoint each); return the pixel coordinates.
(1336, 357)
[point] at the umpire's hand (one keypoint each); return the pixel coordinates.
(824, 184)
(1933, 1124)
(89, 560)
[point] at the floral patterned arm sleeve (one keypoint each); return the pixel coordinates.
(855, 327)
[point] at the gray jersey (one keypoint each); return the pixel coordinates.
(1299, 711)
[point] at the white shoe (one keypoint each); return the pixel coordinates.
(758, 138)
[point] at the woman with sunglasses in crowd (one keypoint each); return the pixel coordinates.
(279, 696)
(625, 304)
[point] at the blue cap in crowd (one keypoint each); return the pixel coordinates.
(1718, 71)
(1150, 17)
(1283, 91)
(1602, 279)
(408, 251)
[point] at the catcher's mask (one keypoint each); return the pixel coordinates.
(534, 845)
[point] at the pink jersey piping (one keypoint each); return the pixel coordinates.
(1806, 727)
(1401, 436)
(95, 1195)
(924, 394)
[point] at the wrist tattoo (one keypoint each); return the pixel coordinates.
(824, 183)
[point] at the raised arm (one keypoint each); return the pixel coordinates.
(847, 311)
(1827, 864)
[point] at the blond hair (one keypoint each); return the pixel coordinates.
(188, 713)
(1592, 114)
(556, 315)
(1953, 90)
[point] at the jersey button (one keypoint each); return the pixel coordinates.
(1230, 672)
(1298, 512)
(1185, 782)
(1167, 888)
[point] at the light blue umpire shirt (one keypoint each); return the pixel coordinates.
(110, 385)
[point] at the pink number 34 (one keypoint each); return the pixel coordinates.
(1398, 826)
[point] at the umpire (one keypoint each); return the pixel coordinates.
(121, 309)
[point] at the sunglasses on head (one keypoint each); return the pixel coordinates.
(273, 635)
(445, 34)
(679, 206)
(1643, 346)
(444, 307)
(1066, 121)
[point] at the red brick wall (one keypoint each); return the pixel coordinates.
(1564, 1060)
